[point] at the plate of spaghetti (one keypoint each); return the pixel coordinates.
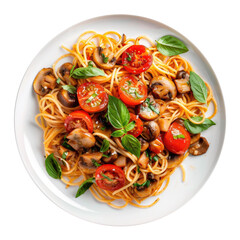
(120, 120)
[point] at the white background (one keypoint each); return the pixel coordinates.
(26, 26)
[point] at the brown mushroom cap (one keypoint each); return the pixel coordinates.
(150, 131)
(200, 147)
(100, 54)
(100, 125)
(174, 160)
(163, 88)
(67, 99)
(64, 74)
(112, 156)
(86, 162)
(182, 82)
(144, 144)
(44, 81)
(194, 138)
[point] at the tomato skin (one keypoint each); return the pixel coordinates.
(112, 171)
(180, 145)
(137, 130)
(78, 119)
(136, 59)
(156, 145)
(126, 93)
(92, 97)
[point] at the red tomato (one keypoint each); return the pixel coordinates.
(131, 91)
(92, 97)
(177, 139)
(136, 59)
(110, 177)
(137, 130)
(78, 119)
(156, 145)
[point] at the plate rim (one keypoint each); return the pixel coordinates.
(44, 189)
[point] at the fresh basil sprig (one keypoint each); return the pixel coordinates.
(70, 88)
(87, 72)
(170, 46)
(197, 128)
(105, 146)
(198, 87)
(52, 166)
(85, 186)
(119, 117)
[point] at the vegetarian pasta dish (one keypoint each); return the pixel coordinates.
(119, 115)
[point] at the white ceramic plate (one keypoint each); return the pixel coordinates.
(29, 135)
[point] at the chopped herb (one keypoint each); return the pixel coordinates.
(95, 163)
(124, 64)
(138, 95)
(66, 145)
(145, 184)
(104, 155)
(91, 97)
(129, 58)
(106, 177)
(138, 169)
(90, 63)
(105, 59)
(64, 155)
(70, 88)
(151, 106)
(129, 83)
(178, 136)
(58, 80)
(103, 128)
(155, 158)
(71, 71)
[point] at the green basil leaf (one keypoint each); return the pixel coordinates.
(131, 144)
(197, 128)
(138, 169)
(153, 108)
(70, 88)
(130, 126)
(90, 63)
(198, 87)
(179, 136)
(87, 72)
(71, 71)
(118, 113)
(58, 81)
(106, 177)
(106, 156)
(53, 168)
(118, 133)
(145, 184)
(105, 145)
(85, 186)
(155, 158)
(104, 58)
(171, 46)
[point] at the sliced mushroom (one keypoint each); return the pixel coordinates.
(67, 99)
(121, 161)
(174, 160)
(164, 124)
(182, 82)
(64, 74)
(200, 147)
(163, 88)
(112, 156)
(81, 138)
(143, 160)
(44, 81)
(194, 138)
(144, 144)
(88, 161)
(104, 58)
(100, 125)
(150, 131)
(149, 109)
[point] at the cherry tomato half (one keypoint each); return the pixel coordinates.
(92, 97)
(177, 139)
(131, 91)
(78, 119)
(110, 177)
(137, 59)
(156, 145)
(137, 130)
